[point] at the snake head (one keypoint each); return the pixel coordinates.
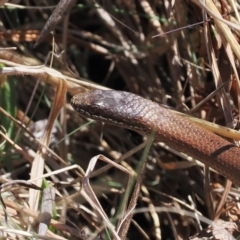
(109, 106)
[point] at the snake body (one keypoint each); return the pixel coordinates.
(133, 112)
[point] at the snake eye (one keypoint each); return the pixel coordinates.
(93, 109)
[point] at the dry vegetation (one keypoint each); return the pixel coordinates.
(110, 44)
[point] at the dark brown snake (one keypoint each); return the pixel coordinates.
(131, 111)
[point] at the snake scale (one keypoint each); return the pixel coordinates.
(133, 112)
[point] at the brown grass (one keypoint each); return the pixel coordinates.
(145, 47)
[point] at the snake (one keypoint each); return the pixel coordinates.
(130, 111)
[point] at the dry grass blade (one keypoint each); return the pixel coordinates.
(212, 10)
(93, 199)
(27, 234)
(49, 75)
(18, 148)
(6, 186)
(10, 186)
(58, 225)
(141, 169)
(38, 163)
(61, 9)
(48, 198)
(225, 30)
(222, 97)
